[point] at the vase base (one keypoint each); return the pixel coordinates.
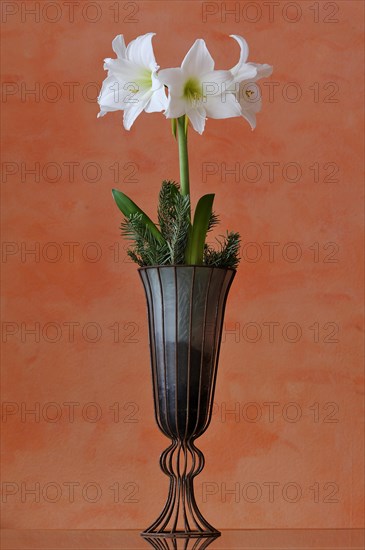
(181, 534)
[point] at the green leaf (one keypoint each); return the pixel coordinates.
(186, 124)
(128, 208)
(197, 235)
(173, 127)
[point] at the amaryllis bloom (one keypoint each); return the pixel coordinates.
(198, 91)
(247, 93)
(132, 85)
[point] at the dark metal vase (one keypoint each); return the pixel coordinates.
(185, 312)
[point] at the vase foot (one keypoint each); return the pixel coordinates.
(180, 541)
(181, 517)
(181, 534)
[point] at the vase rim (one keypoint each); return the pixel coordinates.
(186, 265)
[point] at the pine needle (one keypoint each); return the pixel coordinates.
(174, 221)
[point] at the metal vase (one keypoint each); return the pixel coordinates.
(185, 312)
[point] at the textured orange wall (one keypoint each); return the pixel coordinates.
(290, 364)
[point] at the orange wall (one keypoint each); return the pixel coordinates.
(290, 364)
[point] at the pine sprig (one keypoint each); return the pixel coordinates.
(173, 218)
(166, 206)
(228, 253)
(147, 249)
(179, 229)
(174, 221)
(214, 220)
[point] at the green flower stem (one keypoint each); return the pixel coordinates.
(183, 156)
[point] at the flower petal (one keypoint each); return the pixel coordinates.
(131, 113)
(197, 117)
(140, 51)
(243, 70)
(215, 82)
(198, 60)
(122, 69)
(176, 107)
(118, 46)
(224, 106)
(156, 82)
(110, 97)
(263, 71)
(246, 71)
(250, 117)
(119, 95)
(244, 51)
(158, 102)
(250, 97)
(174, 79)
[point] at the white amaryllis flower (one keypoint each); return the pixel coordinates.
(132, 85)
(247, 93)
(198, 91)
